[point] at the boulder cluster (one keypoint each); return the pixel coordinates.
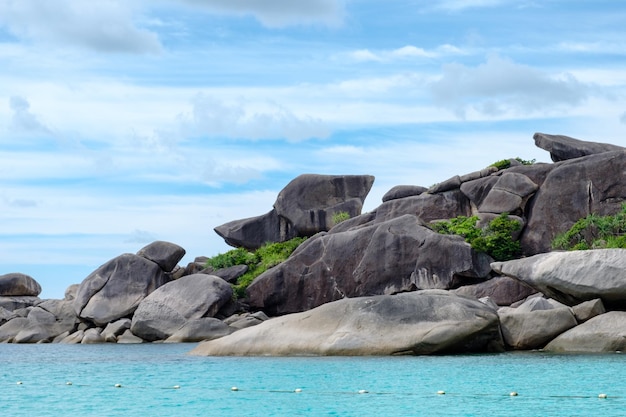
(379, 283)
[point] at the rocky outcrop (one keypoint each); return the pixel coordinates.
(116, 288)
(573, 277)
(303, 208)
(533, 329)
(164, 254)
(17, 284)
(384, 258)
(603, 333)
(503, 291)
(401, 191)
(422, 322)
(562, 148)
(170, 307)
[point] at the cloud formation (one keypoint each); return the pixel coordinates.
(279, 13)
(501, 85)
(23, 120)
(104, 25)
(405, 52)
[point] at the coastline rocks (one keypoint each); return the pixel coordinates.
(562, 147)
(164, 254)
(503, 291)
(401, 191)
(17, 284)
(384, 258)
(303, 208)
(115, 289)
(603, 333)
(533, 329)
(197, 330)
(573, 277)
(168, 308)
(422, 322)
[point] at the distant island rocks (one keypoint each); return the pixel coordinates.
(378, 283)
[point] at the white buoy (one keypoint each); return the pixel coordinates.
(234, 389)
(176, 387)
(298, 390)
(441, 392)
(363, 391)
(602, 396)
(19, 382)
(118, 385)
(513, 394)
(68, 383)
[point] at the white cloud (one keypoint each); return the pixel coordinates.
(501, 86)
(458, 5)
(405, 52)
(279, 13)
(23, 120)
(622, 118)
(104, 25)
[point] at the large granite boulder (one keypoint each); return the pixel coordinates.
(562, 147)
(13, 303)
(197, 330)
(573, 277)
(572, 190)
(164, 254)
(503, 291)
(603, 333)
(303, 208)
(168, 308)
(17, 284)
(427, 207)
(115, 289)
(509, 194)
(422, 322)
(385, 258)
(401, 191)
(532, 330)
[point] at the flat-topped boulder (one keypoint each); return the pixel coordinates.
(603, 333)
(421, 322)
(18, 284)
(562, 148)
(573, 277)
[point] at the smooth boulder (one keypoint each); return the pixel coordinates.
(533, 329)
(603, 333)
(17, 284)
(165, 254)
(421, 322)
(562, 148)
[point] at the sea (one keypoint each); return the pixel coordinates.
(164, 380)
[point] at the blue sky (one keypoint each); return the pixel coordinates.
(128, 121)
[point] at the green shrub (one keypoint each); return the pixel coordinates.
(503, 164)
(496, 239)
(340, 216)
(525, 161)
(259, 261)
(594, 232)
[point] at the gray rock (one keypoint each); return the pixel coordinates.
(115, 329)
(164, 254)
(33, 332)
(14, 303)
(562, 148)
(603, 333)
(383, 258)
(70, 292)
(509, 194)
(447, 185)
(401, 191)
(533, 329)
(423, 322)
(230, 274)
(503, 291)
(572, 190)
(254, 232)
(116, 288)
(197, 330)
(244, 322)
(167, 309)
(17, 284)
(476, 190)
(74, 338)
(129, 338)
(6, 315)
(11, 328)
(534, 304)
(588, 309)
(92, 336)
(573, 277)
(426, 207)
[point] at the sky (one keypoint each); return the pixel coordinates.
(123, 122)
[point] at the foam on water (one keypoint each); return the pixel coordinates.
(161, 380)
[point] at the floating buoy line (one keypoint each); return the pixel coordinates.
(356, 392)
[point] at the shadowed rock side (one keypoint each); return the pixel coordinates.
(422, 322)
(603, 333)
(304, 207)
(17, 284)
(385, 258)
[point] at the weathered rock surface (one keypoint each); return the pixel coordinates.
(571, 191)
(164, 254)
(115, 329)
(17, 284)
(573, 277)
(504, 291)
(167, 309)
(197, 330)
(509, 194)
(401, 191)
(385, 258)
(421, 322)
(115, 289)
(588, 309)
(562, 147)
(426, 207)
(533, 329)
(303, 208)
(603, 333)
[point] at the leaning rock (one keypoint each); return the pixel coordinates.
(562, 148)
(168, 308)
(116, 288)
(603, 333)
(74, 338)
(11, 328)
(573, 277)
(92, 336)
(197, 330)
(532, 330)
(509, 194)
(115, 329)
(70, 292)
(588, 309)
(164, 254)
(422, 322)
(129, 338)
(386, 258)
(401, 191)
(426, 207)
(230, 274)
(504, 291)
(14, 303)
(16, 284)
(254, 232)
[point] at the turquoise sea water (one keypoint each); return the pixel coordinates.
(34, 381)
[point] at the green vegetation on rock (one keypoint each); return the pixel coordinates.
(496, 239)
(259, 261)
(506, 163)
(594, 232)
(340, 216)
